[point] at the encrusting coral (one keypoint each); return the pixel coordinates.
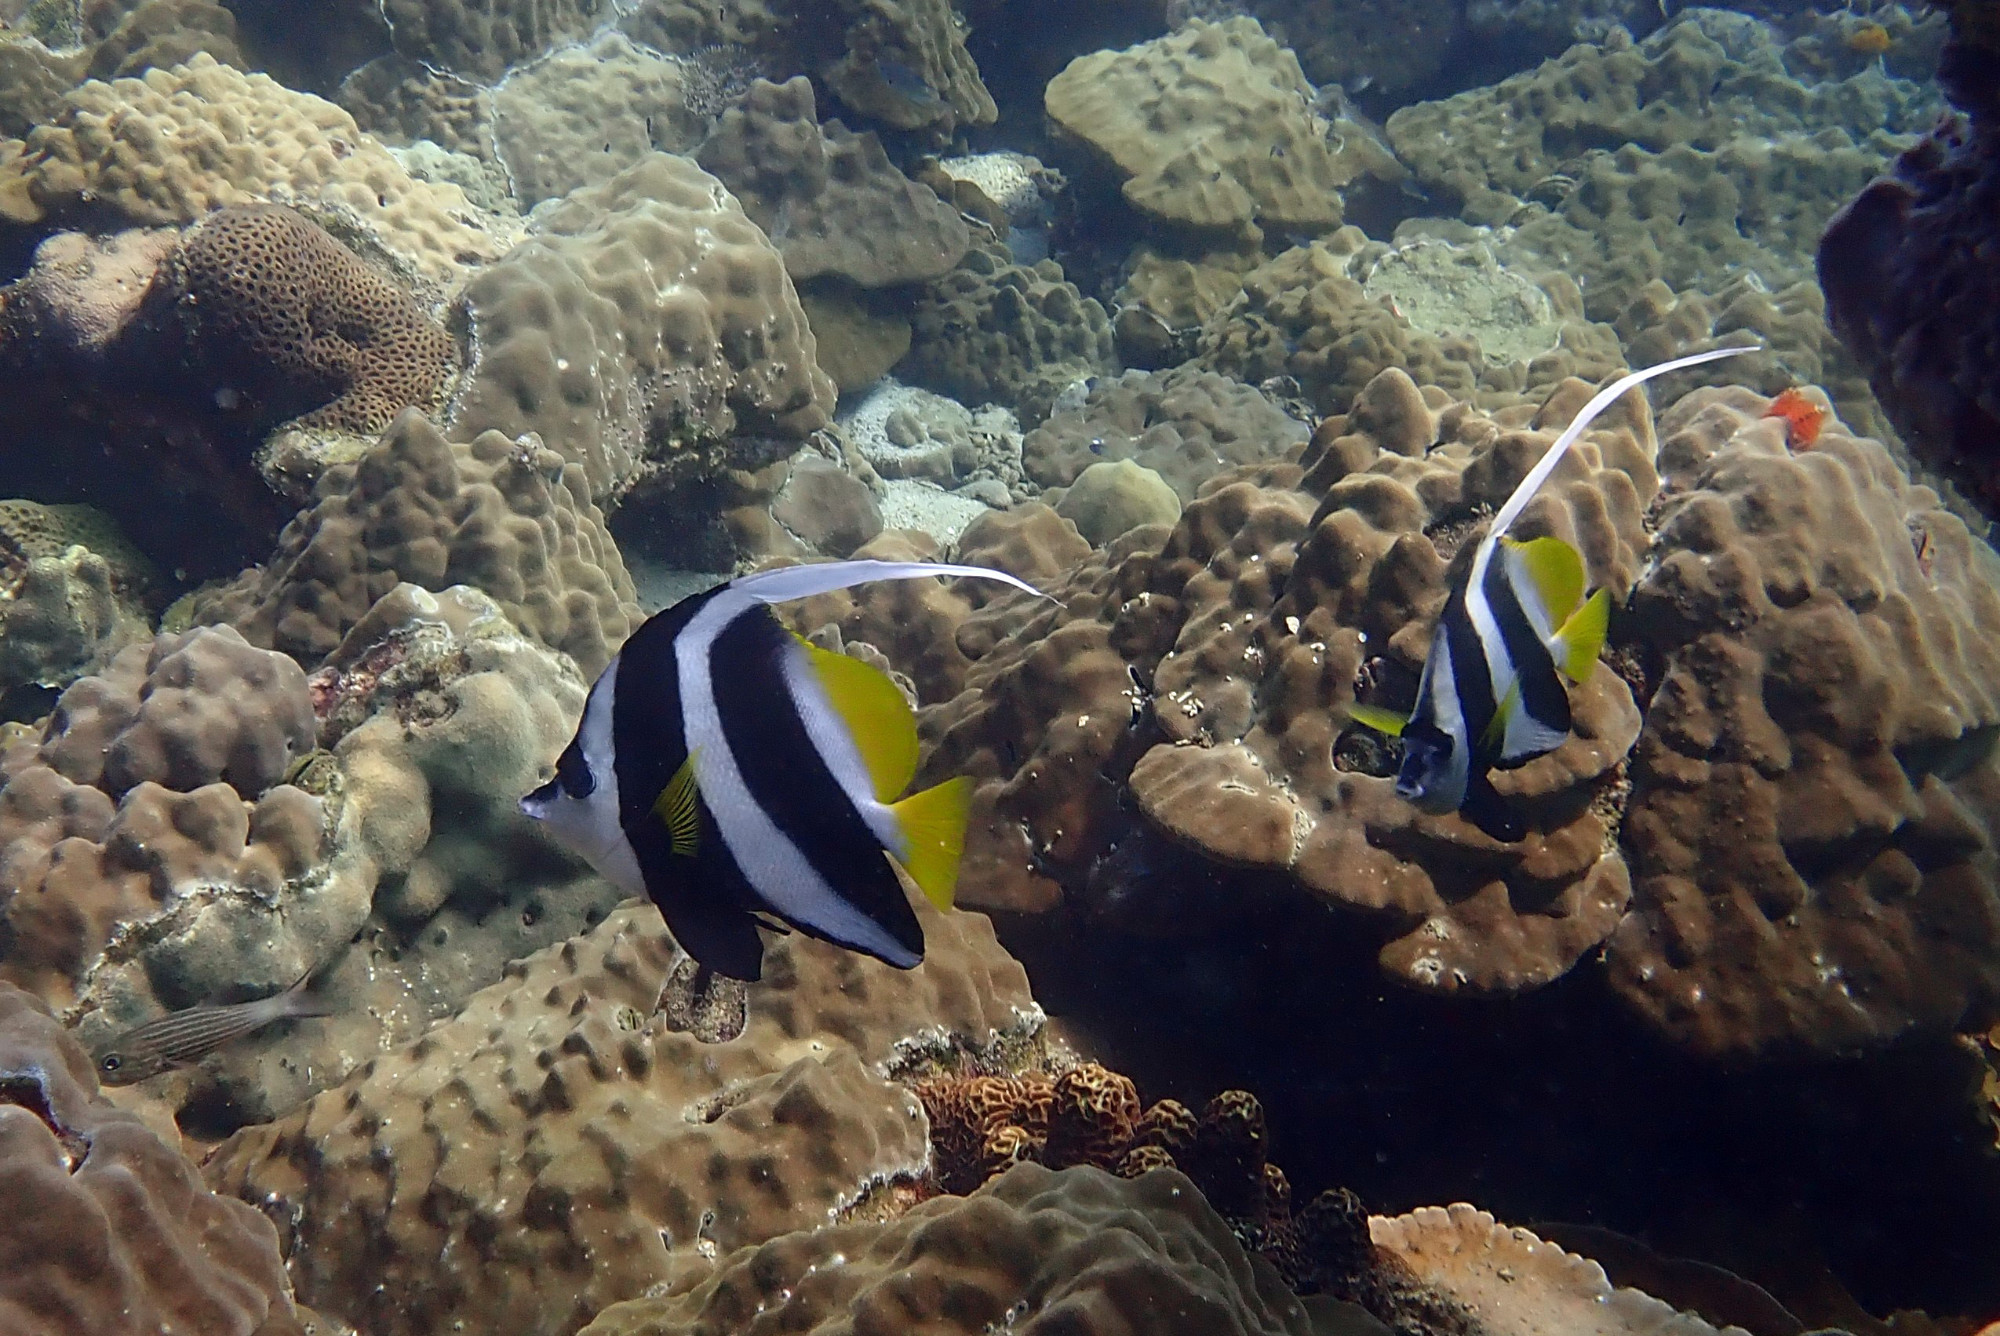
(577, 1148)
(108, 1229)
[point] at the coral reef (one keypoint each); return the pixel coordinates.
(66, 607)
(578, 1148)
(993, 331)
(109, 1228)
(647, 329)
(1212, 127)
(1813, 794)
(164, 33)
(831, 200)
(154, 794)
(483, 39)
(508, 517)
(1186, 425)
(172, 144)
(400, 101)
(1076, 1251)
(1114, 497)
(581, 114)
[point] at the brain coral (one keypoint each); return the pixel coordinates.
(561, 1145)
(173, 144)
(993, 331)
(647, 329)
(153, 794)
(1186, 425)
(582, 114)
(506, 516)
(830, 199)
(264, 302)
(109, 1229)
(1815, 798)
(1212, 127)
(1035, 1252)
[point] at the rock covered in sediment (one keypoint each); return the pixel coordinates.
(559, 1146)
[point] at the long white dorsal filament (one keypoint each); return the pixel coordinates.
(1579, 424)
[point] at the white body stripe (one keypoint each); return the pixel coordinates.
(589, 826)
(1449, 716)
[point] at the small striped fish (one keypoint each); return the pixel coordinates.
(188, 1036)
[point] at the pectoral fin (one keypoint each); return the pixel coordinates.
(678, 809)
(1379, 719)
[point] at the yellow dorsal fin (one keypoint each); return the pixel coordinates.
(1582, 636)
(677, 809)
(1554, 572)
(933, 826)
(1379, 719)
(878, 718)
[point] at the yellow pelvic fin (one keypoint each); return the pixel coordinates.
(1379, 719)
(933, 826)
(676, 807)
(1582, 636)
(877, 715)
(1554, 575)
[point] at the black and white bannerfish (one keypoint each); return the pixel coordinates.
(1490, 695)
(728, 769)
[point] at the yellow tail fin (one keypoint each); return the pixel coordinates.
(1582, 636)
(933, 826)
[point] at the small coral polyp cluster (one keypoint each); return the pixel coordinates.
(369, 385)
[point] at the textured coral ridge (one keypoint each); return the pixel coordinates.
(109, 1230)
(506, 516)
(1035, 1251)
(153, 795)
(1815, 799)
(558, 1146)
(1200, 676)
(170, 146)
(648, 329)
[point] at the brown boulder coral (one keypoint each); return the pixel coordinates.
(1202, 680)
(1035, 1252)
(109, 1229)
(647, 331)
(559, 1146)
(1812, 823)
(505, 516)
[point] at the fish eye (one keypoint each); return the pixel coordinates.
(112, 1062)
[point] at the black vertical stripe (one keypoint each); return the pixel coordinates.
(706, 900)
(1542, 694)
(787, 777)
(1470, 678)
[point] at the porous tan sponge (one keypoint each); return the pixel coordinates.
(170, 146)
(1035, 1251)
(831, 199)
(1212, 126)
(649, 328)
(1240, 636)
(557, 1147)
(151, 789)
(1815, 799)
(106, 1228)
(266, 298)
(510, 518)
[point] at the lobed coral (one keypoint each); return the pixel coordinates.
(173, 144)
(108, 1227)
(483, 39)
(647, 330)
(578, 1148)
(1811, 823)
(1211, 127)
(66, 608)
